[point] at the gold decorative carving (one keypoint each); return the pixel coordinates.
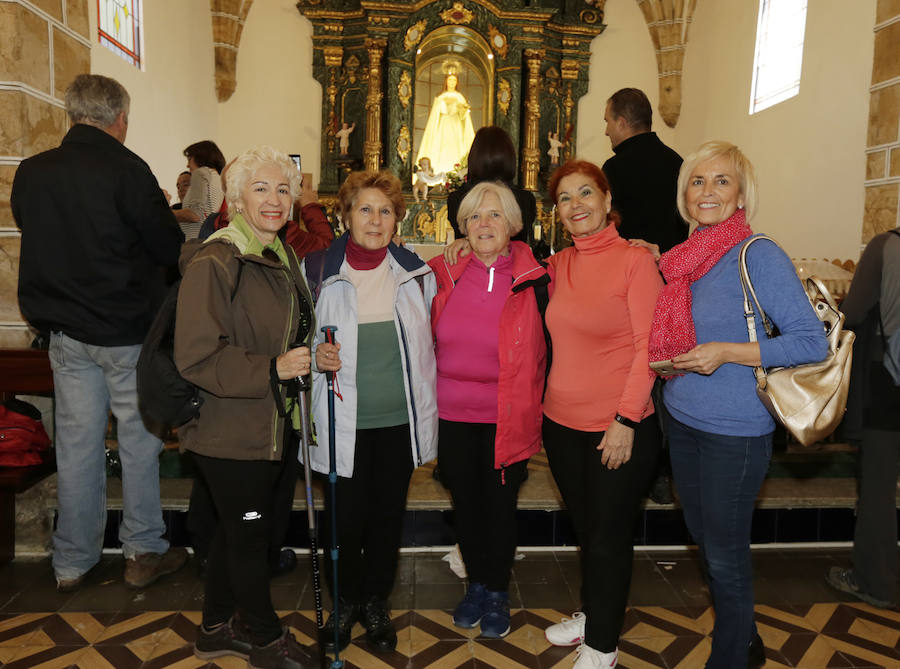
(333, 55)
(414, 34)
(590, 17)
(333, 28)
(351, 68)
(531, 153)
(569, 68)
(551, 78)
(379, 20)
(504, 96)
(372, 143)
(404, 143)
(498, 41)
(457, 14)
(570, 43)
(404, 90)
(569, 105)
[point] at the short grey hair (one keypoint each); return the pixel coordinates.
(96, 100)
(239, 172)
(508, 205)
(743, 168)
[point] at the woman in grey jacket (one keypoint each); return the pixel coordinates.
(378, 295)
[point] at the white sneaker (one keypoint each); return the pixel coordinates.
(588, 658)
(568, 632)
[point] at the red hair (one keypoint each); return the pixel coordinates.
(589, 170)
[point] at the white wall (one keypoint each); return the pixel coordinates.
(173, 101)
(276, 101)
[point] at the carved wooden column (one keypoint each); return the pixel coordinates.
(334, 56)
(531, 154)
(372, 145)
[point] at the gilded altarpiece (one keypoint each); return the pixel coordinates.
(519, 64)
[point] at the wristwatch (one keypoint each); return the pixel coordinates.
(627, 422)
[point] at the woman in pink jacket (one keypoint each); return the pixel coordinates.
(491, 365)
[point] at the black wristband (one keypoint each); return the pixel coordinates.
(627, 422)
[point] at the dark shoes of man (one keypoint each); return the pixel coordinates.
(286, 563)
(844, 580)
(144, 569)
(230, 638)
(661, 490)
(283, 653)
(348, 614)
(756, 655)
(380, 633)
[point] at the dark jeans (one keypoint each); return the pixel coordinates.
(237, 573)
(603, 504)
(484, 500)
(718, 478)
(875, 541)
(370, 508)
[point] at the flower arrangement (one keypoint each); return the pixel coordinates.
(455, 178)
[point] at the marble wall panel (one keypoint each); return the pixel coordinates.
(9, 278)
(895, 162)
(70, 58)
(881, 210)
(875, 165)
(886, 9)
(29, 125)
(24, 47)
(16, 337)
(7, 172)
(52, 7)
(884, 116)
(77, 17)
(887, 54)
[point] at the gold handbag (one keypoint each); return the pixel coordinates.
(809, 400)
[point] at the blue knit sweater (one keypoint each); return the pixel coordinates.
(725, 402)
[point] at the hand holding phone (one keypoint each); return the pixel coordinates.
(665, 368)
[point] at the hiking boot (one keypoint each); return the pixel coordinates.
(380, 632)
(348, 614)
(231, 638)
(70, 584)
(145, 568)
(285, 564)
(283, 653)
(756, 654)
(468, 612)
(589, 658)
(567, 632)
(495, 620)
(844, 580)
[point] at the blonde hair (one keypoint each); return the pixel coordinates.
(240, 170)
(743, 169)
(508, 205)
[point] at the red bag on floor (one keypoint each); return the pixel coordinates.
(23, 440)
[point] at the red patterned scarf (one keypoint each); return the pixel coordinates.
(673, 331)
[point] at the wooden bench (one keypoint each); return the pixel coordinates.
(22, 371)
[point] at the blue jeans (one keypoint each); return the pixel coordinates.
(88, 382)
(718, 478)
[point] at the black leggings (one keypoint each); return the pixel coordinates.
(484, 500)
(603, 504)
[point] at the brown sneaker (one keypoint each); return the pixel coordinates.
(145, 568)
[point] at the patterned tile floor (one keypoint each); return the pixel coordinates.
(803, 623)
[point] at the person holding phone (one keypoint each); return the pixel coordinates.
(599, 430)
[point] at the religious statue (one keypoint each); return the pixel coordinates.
(449, 132)
(555, 146)
(425, 177)
(343, 136)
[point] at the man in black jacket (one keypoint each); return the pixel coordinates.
(96, 230)
(643, 175)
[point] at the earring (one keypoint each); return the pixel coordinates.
(740, 206)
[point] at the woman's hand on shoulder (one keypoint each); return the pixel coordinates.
(653, 248)
(293, 363)
(616, 445)
(458, 249)
(328, 358)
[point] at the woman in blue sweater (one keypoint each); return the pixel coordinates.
(720, 434)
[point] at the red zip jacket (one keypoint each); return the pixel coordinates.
(522, 350)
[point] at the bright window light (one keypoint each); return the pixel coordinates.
(779, 52)
(120, 28)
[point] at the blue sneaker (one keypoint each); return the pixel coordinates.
(495, 621)
(469, 611)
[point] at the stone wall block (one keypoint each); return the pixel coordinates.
(887, 54)
(16, 337)
(47, 125)
(70, 58)
(895, 162)
(34, 517)
(875, 165)
(886, 9)
(52, 7)
(881, 210)
(9, 278)
(24, 47)
(7, 172)
(884, 116)
(77, 17)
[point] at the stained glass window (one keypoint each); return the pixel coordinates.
(120, 28)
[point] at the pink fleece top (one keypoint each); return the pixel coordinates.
(466, 343)
(599, 316)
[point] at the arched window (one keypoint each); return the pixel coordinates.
(120, 28)
(779, 52)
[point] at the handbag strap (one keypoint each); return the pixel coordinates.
(748, 291)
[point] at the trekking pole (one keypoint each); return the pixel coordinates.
(303, 387)
(329, 331)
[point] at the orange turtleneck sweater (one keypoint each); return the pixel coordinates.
(601, 308)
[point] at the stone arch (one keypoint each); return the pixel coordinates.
(228, 17)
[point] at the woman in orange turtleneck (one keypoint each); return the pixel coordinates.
(598, 417)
